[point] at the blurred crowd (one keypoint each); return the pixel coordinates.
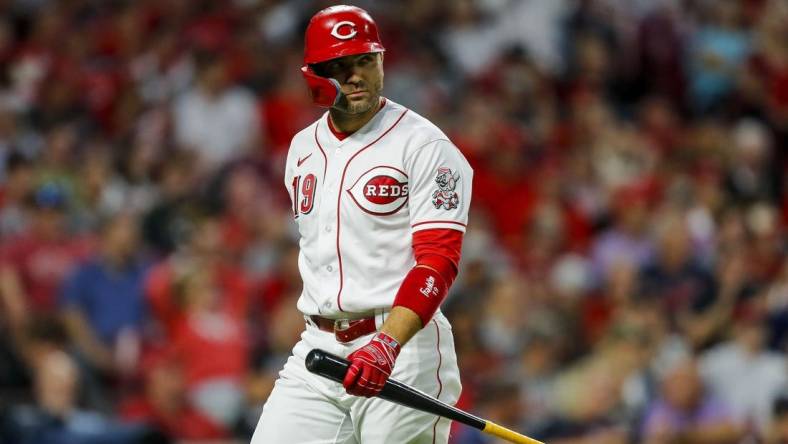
(623, 276)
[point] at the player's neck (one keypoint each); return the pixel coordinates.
(350, 123)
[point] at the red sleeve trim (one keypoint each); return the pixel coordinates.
(439, 222)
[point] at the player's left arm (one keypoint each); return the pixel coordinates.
(439, 198)
(437, 241)
(437, 253)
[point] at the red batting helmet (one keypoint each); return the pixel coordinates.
(337, 31)
(340, 31)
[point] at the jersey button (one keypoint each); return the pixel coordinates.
(328, 228)
(329, 268)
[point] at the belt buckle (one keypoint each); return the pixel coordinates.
(341, 327)
(341, 324)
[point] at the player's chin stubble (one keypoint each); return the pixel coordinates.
(362, 106)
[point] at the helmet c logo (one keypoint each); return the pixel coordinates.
(335, 30)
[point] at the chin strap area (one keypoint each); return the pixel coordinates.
(325, 91)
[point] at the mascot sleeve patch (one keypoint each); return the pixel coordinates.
(440, 187)
(446, 196)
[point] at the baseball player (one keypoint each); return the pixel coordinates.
(380, 196)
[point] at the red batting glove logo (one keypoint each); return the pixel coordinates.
(371, 366)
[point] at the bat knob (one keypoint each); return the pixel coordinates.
(314, 359)
(323, 363)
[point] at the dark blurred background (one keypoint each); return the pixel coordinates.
(623, 276)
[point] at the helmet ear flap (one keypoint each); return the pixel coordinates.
(325, 90)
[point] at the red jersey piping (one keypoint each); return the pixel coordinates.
(339, 200)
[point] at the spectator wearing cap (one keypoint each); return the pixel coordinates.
(34, 264)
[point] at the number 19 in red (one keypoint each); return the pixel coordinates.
(303, 194)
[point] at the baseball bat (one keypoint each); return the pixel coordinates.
(334, 368)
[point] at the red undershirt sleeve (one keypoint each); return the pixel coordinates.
(437, 252)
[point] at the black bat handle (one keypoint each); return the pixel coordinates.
(334, 367)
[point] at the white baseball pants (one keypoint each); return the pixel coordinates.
(308, 409)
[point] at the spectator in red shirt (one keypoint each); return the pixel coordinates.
(211, 342)
(33, 265)
(284, 111)
(503, 185)
(204, 250)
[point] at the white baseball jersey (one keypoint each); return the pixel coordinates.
(357, 202)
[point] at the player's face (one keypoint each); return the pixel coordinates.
(360, 77)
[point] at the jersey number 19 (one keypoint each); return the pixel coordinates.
(303, 194)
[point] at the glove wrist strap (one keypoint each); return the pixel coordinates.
(390, 344)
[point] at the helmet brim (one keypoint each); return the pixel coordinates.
(343, 50)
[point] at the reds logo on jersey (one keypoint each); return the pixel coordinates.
(381, 191)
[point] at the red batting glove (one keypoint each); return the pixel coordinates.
(371, 366)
